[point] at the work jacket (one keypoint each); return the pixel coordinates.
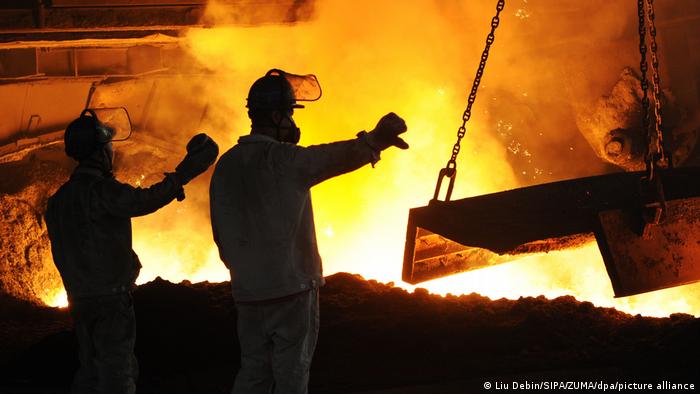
(89, 225)
(261, 211)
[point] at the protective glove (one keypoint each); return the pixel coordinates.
(201, 154)
(386, 133)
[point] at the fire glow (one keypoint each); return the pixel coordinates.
(416, 60)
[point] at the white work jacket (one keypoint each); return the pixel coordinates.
(261, 211)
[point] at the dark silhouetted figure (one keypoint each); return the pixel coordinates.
(263, 224)
(89, 224)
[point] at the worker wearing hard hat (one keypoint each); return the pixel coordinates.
(89, 225)
(263, 224)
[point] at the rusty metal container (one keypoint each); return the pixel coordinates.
(446, 238)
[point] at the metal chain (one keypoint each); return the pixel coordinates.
(655, 152)
(452, 163)
(643, 67)
(653, 212)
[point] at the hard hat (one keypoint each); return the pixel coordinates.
(272, 92)
(85, 135)
(281, 90)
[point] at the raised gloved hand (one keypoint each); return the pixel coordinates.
(387, 132)
(201, 154)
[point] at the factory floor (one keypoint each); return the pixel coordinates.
(374, 339)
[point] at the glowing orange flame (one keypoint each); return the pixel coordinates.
(372, 57)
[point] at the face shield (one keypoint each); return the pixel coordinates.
(279, 90)
(304, 87)
(115, 121)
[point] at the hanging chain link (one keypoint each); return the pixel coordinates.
(643, 67)
(655, 153)
(450, 169)
(452, 163)
(653, 212)
(659, 153)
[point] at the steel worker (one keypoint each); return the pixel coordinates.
(263, 224)
(89, 225)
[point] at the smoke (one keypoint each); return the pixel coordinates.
(257, 12)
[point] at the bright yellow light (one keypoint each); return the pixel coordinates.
(418, 63)
(58, 298)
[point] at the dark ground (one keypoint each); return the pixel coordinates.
(374, 339)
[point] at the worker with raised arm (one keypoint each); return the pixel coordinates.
(89, 225)
(263, 225)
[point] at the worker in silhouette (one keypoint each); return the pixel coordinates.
(89, 225)
(263, 225)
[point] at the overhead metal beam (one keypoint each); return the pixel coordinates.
(92, 18)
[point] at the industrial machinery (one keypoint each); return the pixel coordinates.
(646, 223)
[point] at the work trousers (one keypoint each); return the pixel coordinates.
(277, 341)
(106, 331)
